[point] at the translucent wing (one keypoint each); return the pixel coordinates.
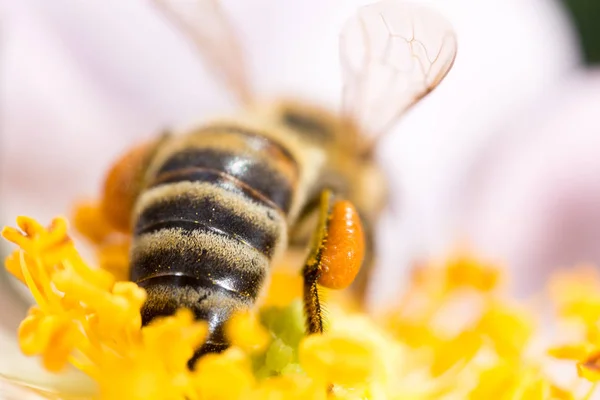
(392, 54)
(206, 25)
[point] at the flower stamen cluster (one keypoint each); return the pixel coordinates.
(454, 333)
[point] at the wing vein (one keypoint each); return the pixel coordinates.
(392, 55)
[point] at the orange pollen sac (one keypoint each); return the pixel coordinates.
(122, 185)
(344, 248)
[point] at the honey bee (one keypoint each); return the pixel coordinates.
(211, 209)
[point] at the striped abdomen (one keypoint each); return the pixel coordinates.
(209, 222)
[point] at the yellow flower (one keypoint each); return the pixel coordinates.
(586, 355)
(508, 328)
(412, 333)
(460, 349)
(291, 387)
(224, 376)
(464, 270)
(514, 382)
(590, 367)
(576, 351)
(245, 331)
(52, 336)
(114, 258)
(285, 287)
(155, 365)
(576, 294)
(112, 246)
(91, 319)
(338, 359)
(85, 317)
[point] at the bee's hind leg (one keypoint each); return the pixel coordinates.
(336, 254)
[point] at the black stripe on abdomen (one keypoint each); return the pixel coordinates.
(208, 213)
(239, 277)
(217, 178)
(208, 302)
(256, 173)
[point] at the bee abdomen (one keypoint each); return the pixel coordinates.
(248, 161)
(203, 231)
(208, 302)
(211, 211)
(207, 227)
(199, 246)
(215, 261)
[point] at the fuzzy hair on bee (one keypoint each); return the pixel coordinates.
(212, 216)
(211, 209)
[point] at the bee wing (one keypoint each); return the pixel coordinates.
(206, 25)
(392, 54)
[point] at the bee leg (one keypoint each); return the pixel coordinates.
(312, 303)
(336, 254)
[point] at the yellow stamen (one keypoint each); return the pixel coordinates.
(35, 292)
(91, 319)
(244, 330)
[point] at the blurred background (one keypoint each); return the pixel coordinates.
(503, 156)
